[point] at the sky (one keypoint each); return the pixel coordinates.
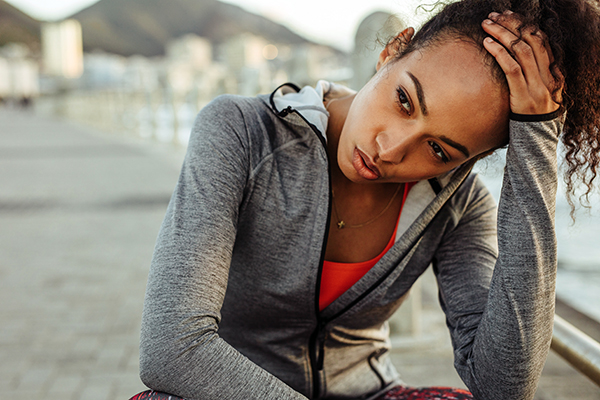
(330, 22)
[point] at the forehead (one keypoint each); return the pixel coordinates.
(463, 100)
(459, 59)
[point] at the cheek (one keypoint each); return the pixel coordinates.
(344, 144)
(355, 127)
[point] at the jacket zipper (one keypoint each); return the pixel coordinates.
(317, 338)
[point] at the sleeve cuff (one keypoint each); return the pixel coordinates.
(537, 117)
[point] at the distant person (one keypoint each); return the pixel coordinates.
(301, 219)
(25, 102)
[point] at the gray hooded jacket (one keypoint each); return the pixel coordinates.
(231, 308)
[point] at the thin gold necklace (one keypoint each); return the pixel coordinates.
(341, 224)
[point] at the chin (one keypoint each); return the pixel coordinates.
(349, 172)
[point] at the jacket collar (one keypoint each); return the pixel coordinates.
(308, 101)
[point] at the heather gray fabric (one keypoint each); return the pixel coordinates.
(231, 308)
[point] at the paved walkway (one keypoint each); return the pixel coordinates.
(79, 213)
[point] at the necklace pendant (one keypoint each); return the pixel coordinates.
(341, 225)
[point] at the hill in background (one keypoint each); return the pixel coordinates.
(16, 26)
(128, 27)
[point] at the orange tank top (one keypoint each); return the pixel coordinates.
(338, 277)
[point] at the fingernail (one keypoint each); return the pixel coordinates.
(489, 39)
(488, 21)
(508, 12)
(493, 15)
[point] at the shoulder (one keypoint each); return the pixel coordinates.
(241, 103)
(472, 200)
(232, 117)
(474, 187)
(233, 108)
(245, 124)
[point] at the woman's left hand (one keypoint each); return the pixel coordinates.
(527, 65)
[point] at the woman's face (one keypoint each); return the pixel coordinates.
(423, 115)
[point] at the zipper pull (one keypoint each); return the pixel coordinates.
(286, 111)
(321, 340)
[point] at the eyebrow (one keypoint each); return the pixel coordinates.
(423, 106)
(456, 145)
(420, 94)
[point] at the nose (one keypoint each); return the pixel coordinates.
(393, 145)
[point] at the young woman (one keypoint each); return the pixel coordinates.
(301, 219)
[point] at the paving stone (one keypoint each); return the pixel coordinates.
(28, 394)
(86, 344)
(95, 391)
(110, 358)
(34, 379)
(126, 392)
(58, 396)
(67, 385)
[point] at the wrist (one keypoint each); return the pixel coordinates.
(537, 117)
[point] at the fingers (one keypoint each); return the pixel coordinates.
(526, 45)
(517, 84)
(524, 55)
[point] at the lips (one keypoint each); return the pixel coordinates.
(364, 166)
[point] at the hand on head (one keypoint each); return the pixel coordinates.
(525, 57)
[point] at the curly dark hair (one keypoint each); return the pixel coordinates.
(572, 28)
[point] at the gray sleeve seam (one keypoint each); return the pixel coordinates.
(271, 154)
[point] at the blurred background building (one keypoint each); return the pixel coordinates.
(147, 68)
(62, 49)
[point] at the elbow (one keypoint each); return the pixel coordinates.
(148, 375)
(166, 358)
(154, 362)
(160, 355)
(162, 367)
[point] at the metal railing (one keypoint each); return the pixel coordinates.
(577, 348)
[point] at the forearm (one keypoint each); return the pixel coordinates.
(184, 355)
(512, 340)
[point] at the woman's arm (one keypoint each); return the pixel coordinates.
(501, 337)
(502, 343)
(181, 352)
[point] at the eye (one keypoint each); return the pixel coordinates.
(438, 151)
(403, 100)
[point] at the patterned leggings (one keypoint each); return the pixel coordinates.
(397, 393)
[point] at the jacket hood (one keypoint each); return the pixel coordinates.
(309, 101)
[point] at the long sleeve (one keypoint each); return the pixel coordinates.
(181, 351)
(501, 336)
